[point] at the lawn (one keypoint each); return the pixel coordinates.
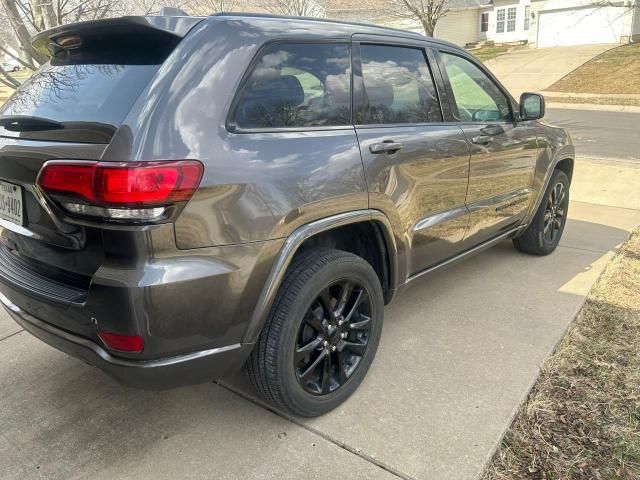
(6, 92)
(615, 71)
(582, 418)
(487, 53)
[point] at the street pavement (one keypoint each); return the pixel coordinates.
(459, 353)
(600, 133)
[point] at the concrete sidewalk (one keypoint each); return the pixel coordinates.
(459, 353)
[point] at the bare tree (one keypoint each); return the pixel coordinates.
(427, 12)
(27, 17)
(298, 8)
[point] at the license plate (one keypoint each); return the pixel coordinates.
(11, 202)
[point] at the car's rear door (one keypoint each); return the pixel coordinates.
(503, 151)
(416, 166)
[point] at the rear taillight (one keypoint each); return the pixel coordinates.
(122, 343)
(120, 191)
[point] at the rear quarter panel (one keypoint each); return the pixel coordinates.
(256, 186)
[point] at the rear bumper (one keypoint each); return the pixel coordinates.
(185, 369)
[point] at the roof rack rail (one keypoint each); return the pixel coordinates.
(314, 19)
(172, 12)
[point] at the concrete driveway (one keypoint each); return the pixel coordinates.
(459, 353)
(535, 69)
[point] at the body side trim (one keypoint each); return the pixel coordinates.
(467, 253)
(503, 197)
(433, 220)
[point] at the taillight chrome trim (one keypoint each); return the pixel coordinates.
(90, 197)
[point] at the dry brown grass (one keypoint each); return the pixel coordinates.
(595, 100)
(582, 418)
(615, 71)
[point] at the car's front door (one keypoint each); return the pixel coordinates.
(503, 151)
(416, 166)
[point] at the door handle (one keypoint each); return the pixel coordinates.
(482, 140)
(385, 147)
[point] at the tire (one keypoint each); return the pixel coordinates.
(282, 370)
(545, 231)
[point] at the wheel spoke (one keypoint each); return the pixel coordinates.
(315, 319)
(345, 293)
(363, 323)
(309, 347)
(325, 300)
(561, 196)
(312, 367)
(326, 375)
(342, 367)
(357, 348)
(360, 297)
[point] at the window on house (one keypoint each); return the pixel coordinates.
(500, 20)
(484, 22)
(527, 16)
(511, 19)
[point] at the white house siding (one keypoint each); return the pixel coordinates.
(579, 22)
(459, 26)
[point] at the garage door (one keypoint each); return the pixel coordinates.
(580, 26)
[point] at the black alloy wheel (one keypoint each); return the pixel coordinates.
(554, 215)
(333, 337)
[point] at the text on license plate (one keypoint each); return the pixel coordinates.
(10, 202)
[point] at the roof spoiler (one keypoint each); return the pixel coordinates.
(48, 42)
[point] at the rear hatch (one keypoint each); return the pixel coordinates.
(70, 109)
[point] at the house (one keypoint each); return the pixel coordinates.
(540, 23)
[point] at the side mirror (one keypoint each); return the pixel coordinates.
(532, 106)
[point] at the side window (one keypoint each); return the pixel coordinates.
(297, 85)
(477, 97)
(398, 87)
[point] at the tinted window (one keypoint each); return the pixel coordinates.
(477, 97)
(398, 87)
(297, 85)
(89, 100)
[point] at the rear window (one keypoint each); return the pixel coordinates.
(85, 102)
(297, 85)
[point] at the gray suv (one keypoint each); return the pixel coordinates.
(181, 196)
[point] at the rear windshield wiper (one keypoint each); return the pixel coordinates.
(28, 123)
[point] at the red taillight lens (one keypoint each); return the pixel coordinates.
(122, 184)
(123, 343)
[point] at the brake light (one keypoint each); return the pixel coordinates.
(120, 190)
(122, 343)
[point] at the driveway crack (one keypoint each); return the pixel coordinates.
(315, 431)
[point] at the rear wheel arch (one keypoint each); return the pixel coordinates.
(333, 232)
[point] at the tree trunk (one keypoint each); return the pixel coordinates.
(428, 26)
(44, 15)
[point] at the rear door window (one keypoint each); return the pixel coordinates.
(297, 85)
(398, 86)
(82, 102)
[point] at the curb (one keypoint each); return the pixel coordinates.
(595, 107)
